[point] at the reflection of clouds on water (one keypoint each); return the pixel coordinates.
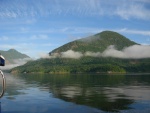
(112, 93)
(138, 92)
(13, 85)
(111, 99)
(130, 92)
(71, 91)
(14, 81)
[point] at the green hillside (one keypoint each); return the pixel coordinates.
(87, 64)
(97, 43)
(12, 55)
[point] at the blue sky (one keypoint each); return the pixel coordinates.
(34, 27)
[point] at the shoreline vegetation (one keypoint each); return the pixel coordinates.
(99, 65)
(15, 72)
(101, 73)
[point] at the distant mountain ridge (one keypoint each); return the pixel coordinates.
(12, 55)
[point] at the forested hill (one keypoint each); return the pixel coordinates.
(97, 43)
(12, 55)
(63, 60)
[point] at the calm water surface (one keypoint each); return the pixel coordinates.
(88, 93)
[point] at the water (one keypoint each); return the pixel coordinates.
(88, 93)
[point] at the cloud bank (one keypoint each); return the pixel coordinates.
(17, 62)
(132, 52)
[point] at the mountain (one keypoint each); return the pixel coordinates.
(11, 55)
(97, 43)
(60, 62)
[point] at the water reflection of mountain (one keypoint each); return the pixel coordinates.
(105, 92)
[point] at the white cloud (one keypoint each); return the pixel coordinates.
(133, 52)
(66, 54)
(43, 55)
(133, 10)
(93, 54)
(71, 54)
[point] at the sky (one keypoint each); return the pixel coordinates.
(36, 27)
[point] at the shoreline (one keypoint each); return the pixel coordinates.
(108, 73)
